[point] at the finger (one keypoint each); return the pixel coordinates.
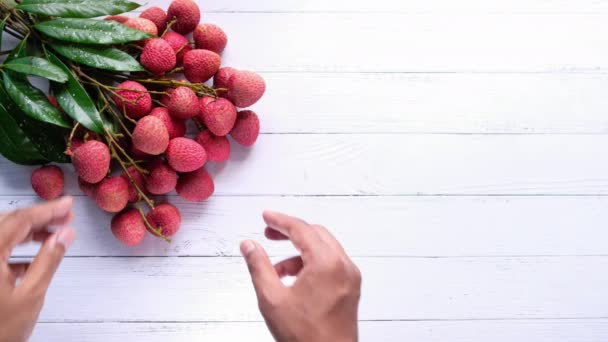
(274, 235)
(40, 273)
(289, 267)
(265, 280)
(298, 231)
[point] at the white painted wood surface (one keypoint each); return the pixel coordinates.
(457, 149)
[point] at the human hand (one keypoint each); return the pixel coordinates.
(21, 303)
(322, 303)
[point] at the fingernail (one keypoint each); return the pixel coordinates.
(247, 247)
(65, 237)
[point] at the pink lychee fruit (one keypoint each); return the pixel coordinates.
(166, 98)
(220, 80)
(196, 186)
(118, 18)
(175, 127)
(128, 227)
(185, 155)
(245, 88)
(136, 179)
(162, 179)
(165, 217)
(158, 56)
(179, 43)
(137, 101)
(92, 161)
(87, 188)
(157, 16)
(217, 148)
(219, 115)
(151, 136)
(112, 194)
(247, 128)
(187, 13)
(48, 182)
(200, 65)
(142, 24)
(73, 145)
(183, 104)
(210, 37)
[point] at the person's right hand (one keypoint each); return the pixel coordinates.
(323, 302)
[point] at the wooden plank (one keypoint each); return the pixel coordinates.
(381, 226)
(584, 330)
(219, 289)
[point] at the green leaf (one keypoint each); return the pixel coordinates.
(105, 58)
(18, 52)
(38, 67)
(15, 144)
(77, 8)
(74, 99)
(32, 101)
(90, 31)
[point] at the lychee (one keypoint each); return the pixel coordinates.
(201, 65)
(142, 24)
(220, 80)
(136, 179)
(183, 104)
(187, 13)
(139, 155)
(73, 145)
(48, 182)
(118, 18)
(112, 194)
(92, 161)
(196, 186)
(185, 155)
(157, 16)
(158, 56)
(151, 136)
(217, 148)
(245, 88)
(129, 228)
(87, 188)
(210, 37)
(134, 98)
(219, 115)
(179, 43)
(247, 128)
(166, 98)
(53, 101)
(175, 127)
(165, 217)
(162, 179)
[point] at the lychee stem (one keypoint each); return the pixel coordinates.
(71, 137)
(156, 231)
(116, 145)
(142, 195)
(169, 26)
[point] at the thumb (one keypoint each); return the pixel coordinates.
(263, 275)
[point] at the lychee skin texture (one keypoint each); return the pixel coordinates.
(166, 98)
(183, 104)
(175, 127)
(196, 186)
(165, 217)
(118, 18)
(219, 115)
(138, 179)
(87, 188)
(92, 161)
(179, 43)
(133, 92)
(158, 56)
(217, 148)
(245, 88)
(157, 16)
(151, 136)
(247, 128)
(48, 182)
(201, 65)
(112, 194)
(187, 13)
(129, 227)
(221, 78)
(142, 24)
(210, 37)
(185, 155)
(161, 180)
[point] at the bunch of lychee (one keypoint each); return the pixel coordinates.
(162, 158)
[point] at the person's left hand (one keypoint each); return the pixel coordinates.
(21, 301)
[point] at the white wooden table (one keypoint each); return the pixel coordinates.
(458, 149)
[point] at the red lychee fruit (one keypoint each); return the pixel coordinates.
(247, 128)
(210, 37)
(151, 136)
(185, 155)
(112, 194)
(162, 179)
(157, 16)
(158, 56)
(136, 179)
(118, 18)
(48, 182)
(165, 217)
(139, 155)
(73, 145)
(201, 65)
(179, 43)
(187, 13)
(87, 188)
(196, 186)
(129, 228)
(217, 148)
(137, 101)
(175, 127)
(53, 101)
(183, 104)
(220, 80)
(245, 88)
(166, 98)
(142, 24)
(219, 115)
(92, 161)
